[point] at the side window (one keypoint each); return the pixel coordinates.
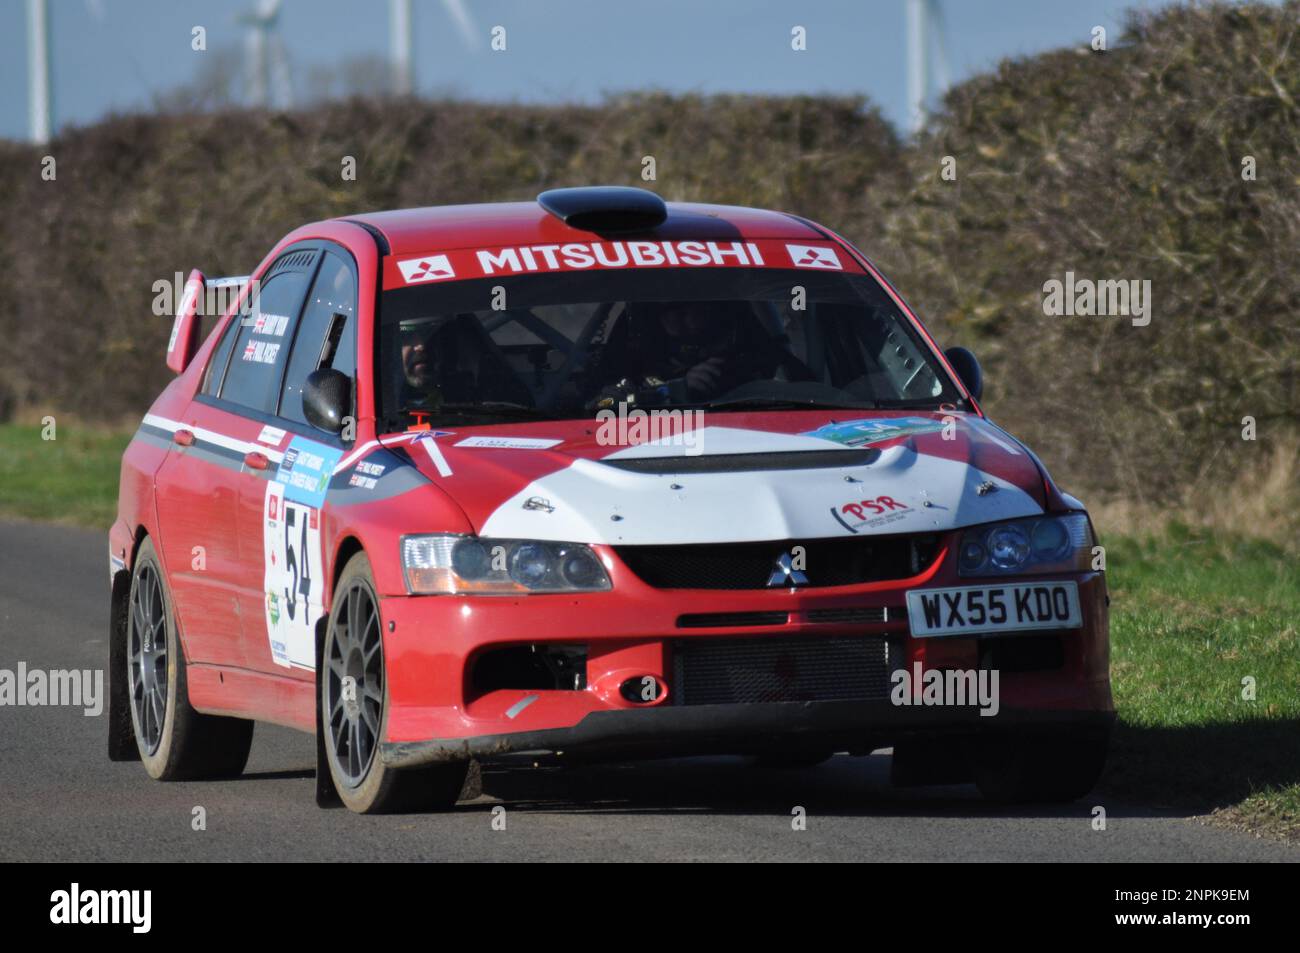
(326, 334)
(220, 356)
(262, 347)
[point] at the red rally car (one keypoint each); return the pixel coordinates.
(593, 475)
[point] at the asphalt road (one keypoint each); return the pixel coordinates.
(62, 799)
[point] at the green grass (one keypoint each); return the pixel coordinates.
(70, 479)
(1191, 616)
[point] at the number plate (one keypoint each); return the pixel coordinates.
(1008, 608)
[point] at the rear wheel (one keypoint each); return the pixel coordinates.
(176, 742)
(1048, 766)
(354, 710)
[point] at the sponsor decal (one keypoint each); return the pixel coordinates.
(261, 352)
(509, 443)
(366, 475)
(428, 268)
(306, 469)
(486, 262)
(271, 436)
(857, 433)
(814, 256)
(291, 577)
(271, 325)
(870, 513)
(577, 256)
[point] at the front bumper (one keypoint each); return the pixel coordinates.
(857, 727)
(436, 714)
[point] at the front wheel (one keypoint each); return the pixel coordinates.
(1055, 766)
(354, 710)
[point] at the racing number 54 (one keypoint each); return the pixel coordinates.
(298, 563)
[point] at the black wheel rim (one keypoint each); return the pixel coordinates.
(148, 658)
(354, 684)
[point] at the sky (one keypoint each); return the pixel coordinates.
(120, 55)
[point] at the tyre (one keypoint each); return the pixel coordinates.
(919, 762)
(1042, 766)
(176, 742)
(354, 710)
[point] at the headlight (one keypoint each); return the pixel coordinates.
(444, 564)
(1041, 544)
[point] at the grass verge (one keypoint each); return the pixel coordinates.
(69, 479)
(1199, 625)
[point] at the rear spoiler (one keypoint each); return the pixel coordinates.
(195, 301)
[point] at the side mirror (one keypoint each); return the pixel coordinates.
(968, 369)
(327, 399)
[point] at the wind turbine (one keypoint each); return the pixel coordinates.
(39, 99)
(401, 50)
(926, 35)
(265, 64)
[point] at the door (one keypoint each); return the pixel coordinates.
(224, 448)
(281, 520)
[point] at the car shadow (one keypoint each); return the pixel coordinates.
(843, 786)
(1200, 768)
(1152, 772)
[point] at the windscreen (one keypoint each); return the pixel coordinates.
(551, 346)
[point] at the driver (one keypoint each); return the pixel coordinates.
(440, 361)
(678, 352)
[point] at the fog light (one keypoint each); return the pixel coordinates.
(641, 689)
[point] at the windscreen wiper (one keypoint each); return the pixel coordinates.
(783, 403)
(484, 408)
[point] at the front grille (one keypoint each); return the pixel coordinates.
(707, 620)
(744, 671)
(827, 562)
(851, 614)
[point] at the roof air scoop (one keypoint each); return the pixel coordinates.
(605, 208)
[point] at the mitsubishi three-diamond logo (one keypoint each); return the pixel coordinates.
(428, 268)
(814, 256)
(784, 573)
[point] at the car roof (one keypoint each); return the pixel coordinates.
(527, 223)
